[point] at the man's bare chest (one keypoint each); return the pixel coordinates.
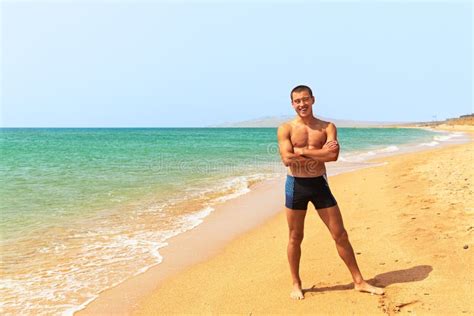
(308, 137)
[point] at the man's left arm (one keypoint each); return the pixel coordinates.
(330, 150)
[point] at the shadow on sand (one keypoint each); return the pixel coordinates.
(414, 274)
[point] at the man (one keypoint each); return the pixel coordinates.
(306, 143)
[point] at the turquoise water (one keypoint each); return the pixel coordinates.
(83, 209)
(361, 139)
(52, 174)
(49, 174)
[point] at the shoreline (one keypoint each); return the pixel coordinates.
(124, 298)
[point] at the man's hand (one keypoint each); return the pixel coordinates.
(332, 146)
(296, 157)
(298, 151)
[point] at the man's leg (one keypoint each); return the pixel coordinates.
(296, 231)
(331, 216)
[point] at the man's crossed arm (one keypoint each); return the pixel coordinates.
(289, 155)
(330, 150)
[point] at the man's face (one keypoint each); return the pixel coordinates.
(303, 103)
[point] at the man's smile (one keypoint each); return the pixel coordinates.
(303, 109)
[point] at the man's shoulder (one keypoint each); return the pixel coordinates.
(286, 125)
(284, 130)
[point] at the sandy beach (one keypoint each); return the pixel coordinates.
(410, 222)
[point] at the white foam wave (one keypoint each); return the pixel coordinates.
(108, 250)
(389, 149)
(358, 157)
(238, 185)
(430, 144)
(369, 153)
(448, 137)
(442, 138)
(194, 219)
(188, 222)
(71, 310)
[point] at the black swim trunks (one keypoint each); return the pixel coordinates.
(299, 191)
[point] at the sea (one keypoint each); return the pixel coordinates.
(84, 209)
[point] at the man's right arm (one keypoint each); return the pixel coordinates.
(286, 147)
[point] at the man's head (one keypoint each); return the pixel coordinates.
(302, 100)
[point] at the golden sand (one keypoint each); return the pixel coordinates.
(410, 221)
(455, 127)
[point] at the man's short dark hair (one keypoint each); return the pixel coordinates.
(301, 88)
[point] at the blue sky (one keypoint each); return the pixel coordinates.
(198, 63)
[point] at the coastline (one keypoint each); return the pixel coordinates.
(126, 297)
(192, 247)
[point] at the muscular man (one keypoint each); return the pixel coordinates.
(306, 143)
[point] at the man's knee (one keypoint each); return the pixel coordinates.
(341, 237)
(296, 237)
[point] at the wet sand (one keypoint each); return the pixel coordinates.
(225, 223)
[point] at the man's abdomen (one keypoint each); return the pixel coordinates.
(313, 168)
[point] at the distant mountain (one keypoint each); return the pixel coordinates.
(275, 121)
(467, 119)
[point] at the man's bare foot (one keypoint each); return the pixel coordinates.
(297, 292)
(366, 287)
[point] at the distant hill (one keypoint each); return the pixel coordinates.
(467, 119)
(275, 121)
